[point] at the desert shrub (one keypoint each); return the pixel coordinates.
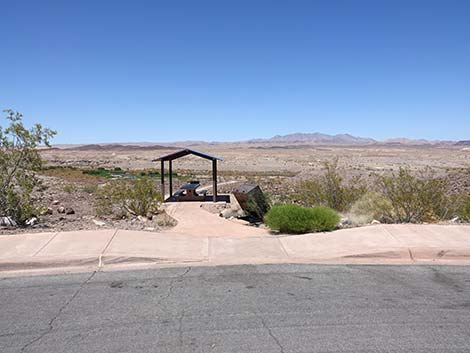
(143, 198)
(19, 162)
(122, 198)
(70, 188)
(463, 208)
(372, 205)
(330, 189)
(90, 188)
(416, 199)
(298, 219)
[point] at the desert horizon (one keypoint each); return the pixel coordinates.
(314, 138)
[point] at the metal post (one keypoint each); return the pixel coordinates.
(214, 179)
(163, 178)
(170, 171)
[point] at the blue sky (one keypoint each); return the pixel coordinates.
(121, 71)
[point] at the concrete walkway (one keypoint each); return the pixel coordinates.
(384, 244)
(195, 221)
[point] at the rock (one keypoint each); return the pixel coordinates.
(142, 218)
(232, 212)
(32, 221)
(455, 220)
(7, 222)
(99, 223)
(69, 210)
(150, 229)
(61, 209)
(375, 222)
(345, 221)
(55, 202)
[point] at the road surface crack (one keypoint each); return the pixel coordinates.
(271, 334)
(56, 316)
(171, 286)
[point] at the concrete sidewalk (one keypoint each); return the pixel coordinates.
(384, 244)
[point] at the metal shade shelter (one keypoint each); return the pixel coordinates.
(184, 152)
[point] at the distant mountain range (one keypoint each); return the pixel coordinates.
(289, 139)
(347, 139)
(317, 138)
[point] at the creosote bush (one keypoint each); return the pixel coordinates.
(329, 189)
(123, 198)
(416, 199)
(463, 208)
(19, 162)
(298, 219)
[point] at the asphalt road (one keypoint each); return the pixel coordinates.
(277, 308)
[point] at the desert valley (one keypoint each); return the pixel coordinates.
(73, 173)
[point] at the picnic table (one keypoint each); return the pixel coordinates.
(188, 192)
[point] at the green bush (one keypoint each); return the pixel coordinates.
(298, 219)
(121, 198)
(329, 189)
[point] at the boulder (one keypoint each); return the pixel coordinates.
(232, 213)
(7, 222)
(142, 218)
(32, 221)
(345, 221)
(61, 209)
(99, 223)
(455, 220)
(375, 222)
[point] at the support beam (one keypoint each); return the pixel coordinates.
(162, 172)
(170, 171)
(214, 179)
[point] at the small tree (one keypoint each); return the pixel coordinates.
(19, 159)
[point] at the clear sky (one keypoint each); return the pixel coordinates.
(122, 71)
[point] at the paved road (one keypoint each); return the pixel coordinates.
(274, 308)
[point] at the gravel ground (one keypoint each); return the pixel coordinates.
(79, 197)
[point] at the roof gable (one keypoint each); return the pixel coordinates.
(185, 152)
